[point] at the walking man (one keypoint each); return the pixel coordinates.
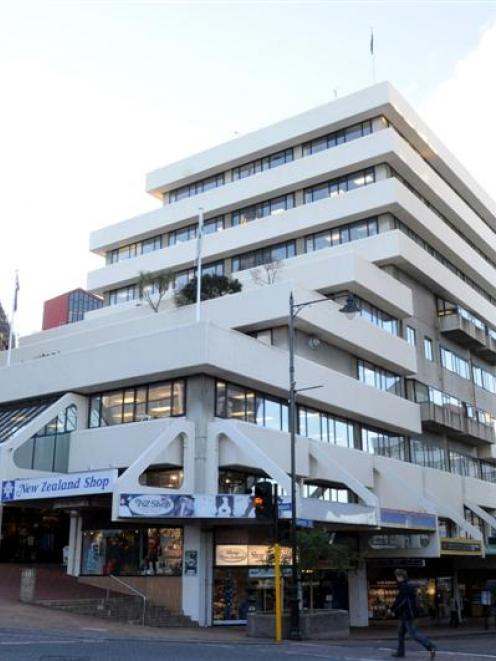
(404, 607)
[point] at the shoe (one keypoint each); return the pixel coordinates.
(433, 653)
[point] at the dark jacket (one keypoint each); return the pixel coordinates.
(405, 604)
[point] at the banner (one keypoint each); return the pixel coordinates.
(58, 486)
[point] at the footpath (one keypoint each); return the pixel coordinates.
(15, 616)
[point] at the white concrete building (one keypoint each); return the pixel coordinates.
(136, 436)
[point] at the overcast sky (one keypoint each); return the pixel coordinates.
(96, 94)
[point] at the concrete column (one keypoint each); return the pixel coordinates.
(197, 574)
(200, 408)
(75, 541)
(358, 598)
(1, 523)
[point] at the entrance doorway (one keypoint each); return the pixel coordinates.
(33, 535)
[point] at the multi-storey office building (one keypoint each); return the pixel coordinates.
(164, 424)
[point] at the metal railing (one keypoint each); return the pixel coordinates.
(135, 591)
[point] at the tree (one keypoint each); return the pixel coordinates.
(267, 273)
(212, 286)
(153, 287)
(317, 553)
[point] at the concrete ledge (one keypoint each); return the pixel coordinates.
(314, 625)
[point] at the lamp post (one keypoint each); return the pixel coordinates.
(350, 308)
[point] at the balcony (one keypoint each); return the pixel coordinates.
(488, 350)
(443, 419)
(462, 331)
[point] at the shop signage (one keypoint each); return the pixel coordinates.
(190, 562)
(403, 519)
(60, 485)
(397, 562)
(460, 546)
(204, 506)
(248, 555)
(267, 572)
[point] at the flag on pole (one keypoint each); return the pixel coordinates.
(371, 42)
(16, 292)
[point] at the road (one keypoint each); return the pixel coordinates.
(97, 644)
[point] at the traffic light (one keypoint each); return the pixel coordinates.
(263, 502)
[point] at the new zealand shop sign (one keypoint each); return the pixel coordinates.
(58, 486)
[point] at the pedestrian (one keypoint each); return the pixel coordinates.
(405, 607)
(454, 612)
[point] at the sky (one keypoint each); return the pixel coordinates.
(95, 94)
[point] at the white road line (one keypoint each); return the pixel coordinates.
(58, 641)
(470, 655)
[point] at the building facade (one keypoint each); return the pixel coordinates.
(136, 437)
(68, 308)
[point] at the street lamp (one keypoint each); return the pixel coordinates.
(350, 308)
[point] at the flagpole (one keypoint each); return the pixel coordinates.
(199, 264)
(372, 54)
(11, 329)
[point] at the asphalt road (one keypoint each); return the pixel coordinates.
(18, 644)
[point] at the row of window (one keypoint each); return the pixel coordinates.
(373, 314)
(81, 302)
(275, 160)
(135, 249)
(239, 403)
(190, 232)
(422, 393)
(337, 138)
(343, 234)
(447, 222)
(262, 256)
(196, 188)
(379, 378)
(262, 209)
(262, 164)
(157, 400)
(443, 260)
(340, 185)
(455, 363)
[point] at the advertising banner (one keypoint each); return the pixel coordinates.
(60, 485)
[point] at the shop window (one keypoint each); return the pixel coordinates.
(149, 551)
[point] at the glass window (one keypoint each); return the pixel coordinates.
(428, 349)
(411, 336)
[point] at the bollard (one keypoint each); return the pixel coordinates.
(28, 584)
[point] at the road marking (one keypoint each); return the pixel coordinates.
(470, 655)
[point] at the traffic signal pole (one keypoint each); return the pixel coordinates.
(277, 571)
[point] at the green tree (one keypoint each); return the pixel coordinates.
(152, 287)
(212, 286)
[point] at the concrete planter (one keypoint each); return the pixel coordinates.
(326, 624)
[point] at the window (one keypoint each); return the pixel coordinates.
(232, 401)
(266, 208)
(337, 138)
(342, 234)
(158, 400)
(190, 232)
(325, 427)
(428, 349)
(382, 443)
(260, 165)
(134, 249)
(263, 256)
(196, 188)
(411, 336)
(182, 278)
(455, 363)
(123, 295)
(331, 494)
(338, 186)
(484, 379)
(428, 454)
(463, 464)
(378, 378)
(378, 317)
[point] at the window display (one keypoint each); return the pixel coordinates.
(146, 552)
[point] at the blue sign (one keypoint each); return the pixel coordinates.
(59, 485)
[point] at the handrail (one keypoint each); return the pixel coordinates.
(133, 589)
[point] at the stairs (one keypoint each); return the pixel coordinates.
(121, 609)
